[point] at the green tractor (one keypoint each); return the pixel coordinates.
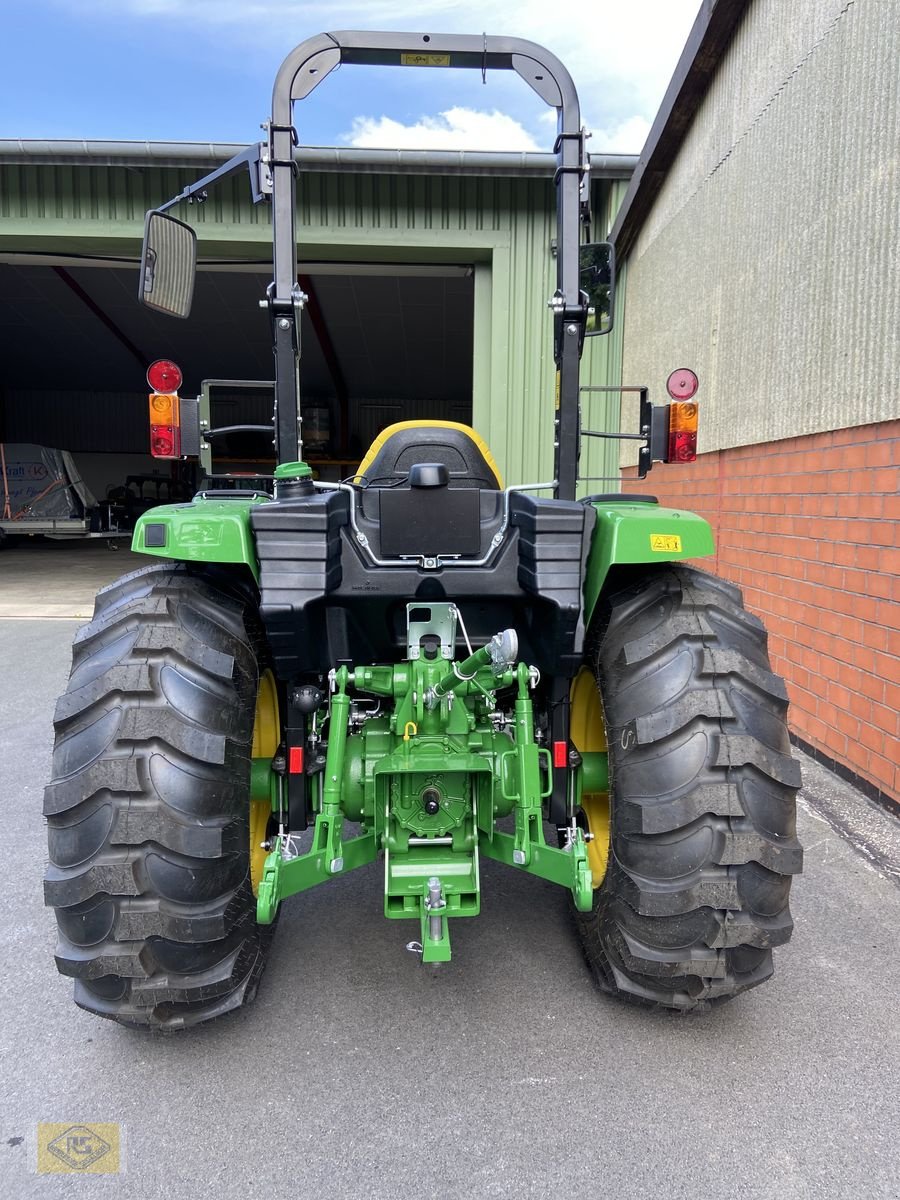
(419, 666)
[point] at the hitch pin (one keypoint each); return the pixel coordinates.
(436, 905)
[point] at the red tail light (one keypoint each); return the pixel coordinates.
(683, 418)
(165, 441)
(682, 447)
(165, 409)
(683, 415)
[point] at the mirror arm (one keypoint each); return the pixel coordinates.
(253, 158)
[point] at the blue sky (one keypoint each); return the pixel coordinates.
(202, 70)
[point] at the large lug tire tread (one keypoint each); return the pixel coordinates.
(703, 794)
(148, 807)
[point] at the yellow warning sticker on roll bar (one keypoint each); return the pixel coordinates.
(424, 60)
(665, 543)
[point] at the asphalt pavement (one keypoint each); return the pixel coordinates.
(358, 1073)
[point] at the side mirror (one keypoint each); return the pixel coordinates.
(597, 266)
(168, 265)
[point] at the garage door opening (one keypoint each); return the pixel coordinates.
(381, 342)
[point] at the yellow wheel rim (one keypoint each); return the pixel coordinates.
(266, 735)
(587, 728)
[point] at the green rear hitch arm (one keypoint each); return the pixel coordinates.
(527, 848)
(329, 855)
(328, 832)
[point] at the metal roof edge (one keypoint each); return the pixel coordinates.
(204, 155)
(710, 35)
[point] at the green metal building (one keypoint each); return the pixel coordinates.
(428, 273)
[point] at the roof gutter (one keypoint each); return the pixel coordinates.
(707, 42)
(15, 151)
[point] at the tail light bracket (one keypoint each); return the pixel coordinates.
(655, 427)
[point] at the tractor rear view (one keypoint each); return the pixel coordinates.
(421, 666)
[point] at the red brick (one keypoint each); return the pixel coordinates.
(869, 558)
(873, 687)
(837, 694)
(887, 719)
(887, 614)
(847, 723)
(886, 479)
(871, 737)
(878, 533)
(887, 666)
(816, 730)
(879, 769)
(879, 586)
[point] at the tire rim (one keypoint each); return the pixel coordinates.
(587, 729)
(266, 735)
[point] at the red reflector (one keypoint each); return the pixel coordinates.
(165, 441)
(164, 375)
(560, 754)
(682, 446)
(295, 760)
(682, 384)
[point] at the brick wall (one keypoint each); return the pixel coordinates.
(809, 528)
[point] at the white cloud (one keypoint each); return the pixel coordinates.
(454, 129)
(626, 137)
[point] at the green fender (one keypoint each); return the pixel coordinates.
(629, 531)
(204, 530)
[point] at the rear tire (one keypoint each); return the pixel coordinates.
(702, 791)
(148, 807)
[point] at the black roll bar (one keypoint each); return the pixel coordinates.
(302, 71)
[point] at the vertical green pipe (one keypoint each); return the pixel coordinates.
(334, 759)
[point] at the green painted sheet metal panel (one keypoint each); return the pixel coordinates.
(211, 531)
(641, 533)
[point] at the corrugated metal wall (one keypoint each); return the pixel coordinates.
(502, 225)
(769, 260)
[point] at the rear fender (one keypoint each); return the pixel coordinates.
(205, 530)
(630, 531)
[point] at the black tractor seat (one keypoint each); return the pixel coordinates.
(457, 447)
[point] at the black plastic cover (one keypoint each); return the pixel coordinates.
(324, 602)
(429, 520)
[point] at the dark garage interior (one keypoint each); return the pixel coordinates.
(380, 343)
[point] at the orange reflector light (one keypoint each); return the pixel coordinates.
(163, 408)
(683, 416)
(165, 425)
